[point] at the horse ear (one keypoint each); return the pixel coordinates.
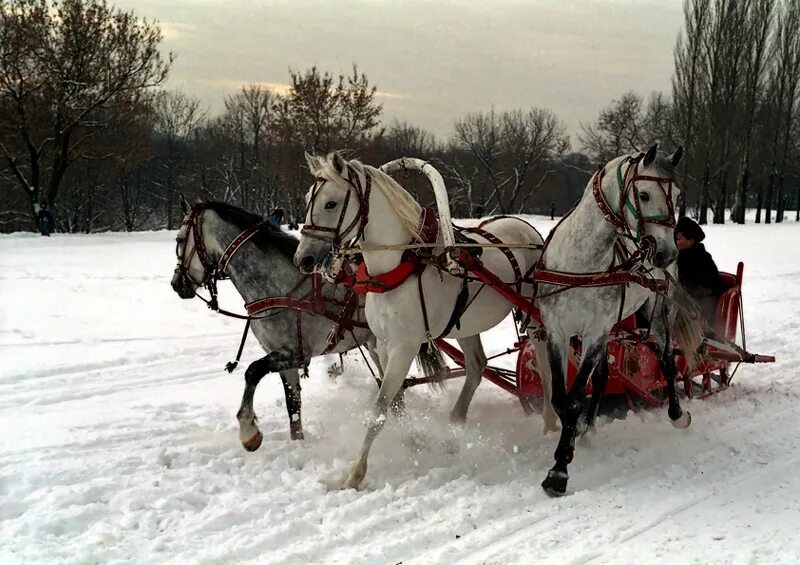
(650, 156)
(312, 161)
(675, 158)
(184, 205)
(337, 161)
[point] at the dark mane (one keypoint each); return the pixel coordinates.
(268, 237)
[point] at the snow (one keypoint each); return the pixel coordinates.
(118, 437)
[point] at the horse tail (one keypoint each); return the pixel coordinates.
(430, 362)
(689, 333)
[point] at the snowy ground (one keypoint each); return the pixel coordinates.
(118, 441)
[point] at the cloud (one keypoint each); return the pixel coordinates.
(392, 95)
(238, 84)
(176, 30)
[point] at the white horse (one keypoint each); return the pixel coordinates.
(350, 201)
(628, 206)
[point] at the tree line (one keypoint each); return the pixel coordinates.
(87, 128)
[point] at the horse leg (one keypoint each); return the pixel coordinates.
(398, 362)
(599, 381)
(543, 367)
(249, 434)
(568, 405)
(399, 402)
(292, 389)
(475, 362)
(679, 418)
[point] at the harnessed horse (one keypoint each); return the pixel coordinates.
(604, 261)
(352, 202)
(293, 316)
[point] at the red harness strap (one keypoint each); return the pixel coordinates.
(313, 302)
(234, 246)
(411, 263)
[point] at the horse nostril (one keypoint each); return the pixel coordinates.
(307, 262)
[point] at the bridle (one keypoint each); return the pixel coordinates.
(336, 235)
(629, 198)
(212, 272)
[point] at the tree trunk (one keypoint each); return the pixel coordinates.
(781, 203)
(704, 196)
(719, 211)
(740, 199)
(768, 204)
(797, 204)
(760, 200)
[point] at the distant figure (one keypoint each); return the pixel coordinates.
(45, 219)
(553, 211)
(276, 217)
(478, 211)
(293, 225)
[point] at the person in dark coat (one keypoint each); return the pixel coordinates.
(45, 219)
(697, 272)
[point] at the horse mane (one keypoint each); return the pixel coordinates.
(401, 201)
(268, 238)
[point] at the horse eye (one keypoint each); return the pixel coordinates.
(644, 196)
(330, 205)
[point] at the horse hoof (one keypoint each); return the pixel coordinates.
(683, 421)
(458, 419)
(357, 473)
(254, 442)
(556, 483)
(351, 483)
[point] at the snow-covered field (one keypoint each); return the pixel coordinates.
(118, 438)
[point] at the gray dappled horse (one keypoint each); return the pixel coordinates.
(627, 211)
(262, 267)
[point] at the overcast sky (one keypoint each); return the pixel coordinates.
(431, 61)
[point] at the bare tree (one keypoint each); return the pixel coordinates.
(177, 117)
(759, 23)
(404, 139)
(321, 112)
(508, 148)
(64, 69)
(785, 80)
(617, 130)
(686, 82)
(248, 120)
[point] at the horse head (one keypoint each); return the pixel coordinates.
(642, 189)
(193, 266)
(337, 204)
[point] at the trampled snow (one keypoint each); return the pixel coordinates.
(118, 437)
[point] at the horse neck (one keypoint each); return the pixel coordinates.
(383, 228)
(255, 272)
(585, 239)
